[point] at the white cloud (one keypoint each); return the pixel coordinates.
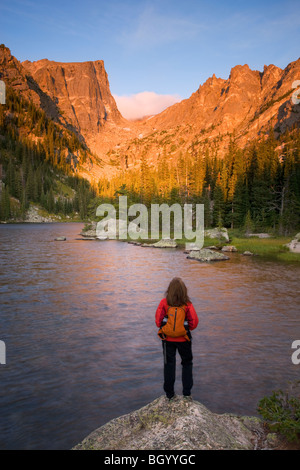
(146, 103)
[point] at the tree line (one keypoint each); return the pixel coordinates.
(39, 172)
(257, 187)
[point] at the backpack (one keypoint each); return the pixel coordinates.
(174, 326)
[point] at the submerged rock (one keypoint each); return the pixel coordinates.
(207, 255)
(179, 424)
(229, 248)
(60, 239)
(248, 253)
(163, 243)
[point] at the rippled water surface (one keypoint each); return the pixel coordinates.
(77, 318)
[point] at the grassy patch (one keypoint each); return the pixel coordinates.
(270, 247)
(64, 190)
(207, 242)
(288, 256)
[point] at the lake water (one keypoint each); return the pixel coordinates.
(77, 318)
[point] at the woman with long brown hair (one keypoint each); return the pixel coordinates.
(176, 317)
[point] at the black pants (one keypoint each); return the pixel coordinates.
(185, 352)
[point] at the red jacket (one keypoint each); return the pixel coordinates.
(191, 317)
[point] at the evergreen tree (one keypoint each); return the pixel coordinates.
(248, 224)
(50, 201)
(146, 191)
(240, 202)
(5, 207)
(218, 204)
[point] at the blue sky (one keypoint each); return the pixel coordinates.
(166, 47)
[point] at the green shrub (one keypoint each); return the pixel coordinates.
(281, 411)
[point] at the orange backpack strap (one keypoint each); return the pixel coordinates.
(169, 328)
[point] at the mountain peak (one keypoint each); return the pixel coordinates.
(212, 81)
(240, 71)
(4, 49)
(81, 90)
(77, 95)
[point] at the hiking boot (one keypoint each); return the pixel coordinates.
(187, 398)
(170, 399)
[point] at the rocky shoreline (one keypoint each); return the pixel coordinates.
(33, 216)
(207, 254)
(181, 424)
(220, 234)
(36, 215)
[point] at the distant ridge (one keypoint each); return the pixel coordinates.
(77, 95)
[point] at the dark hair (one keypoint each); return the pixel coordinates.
(176, 293)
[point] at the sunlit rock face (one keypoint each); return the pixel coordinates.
(180, 424)
(77, 95)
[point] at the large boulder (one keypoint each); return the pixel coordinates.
(219, 233)
(89, 231)
(294, 245)
(179, 424)
(206, 255)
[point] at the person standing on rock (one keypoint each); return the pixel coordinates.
(176, 317)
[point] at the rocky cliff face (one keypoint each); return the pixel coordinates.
(234, 104)
(15, 75)
(81, 91)
(245, 105)
(77, 95)
(180, 425)
(82, 94)
(83, 108)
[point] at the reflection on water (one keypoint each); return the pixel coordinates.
(77, 318)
